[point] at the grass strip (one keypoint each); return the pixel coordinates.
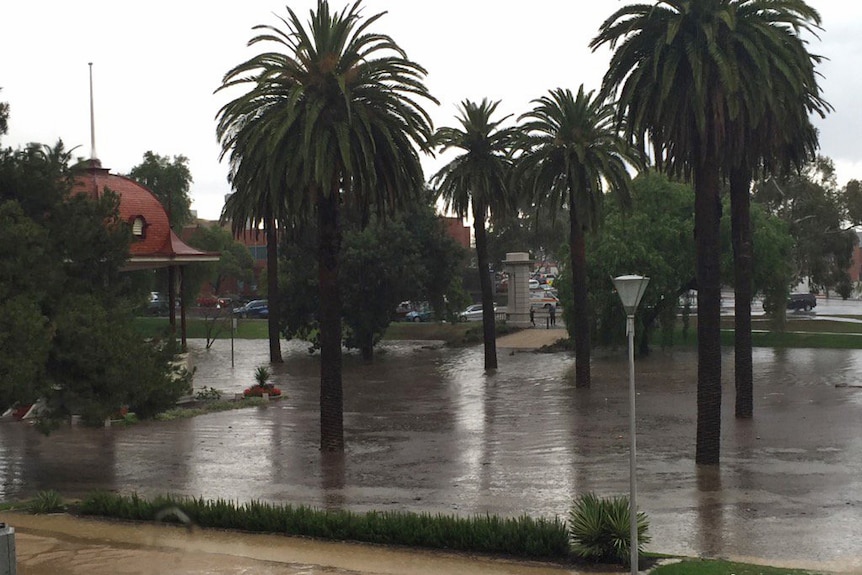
(717, 567)
(181, 412)
(523, 536)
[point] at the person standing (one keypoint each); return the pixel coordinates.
(532, 316)
(552, 311)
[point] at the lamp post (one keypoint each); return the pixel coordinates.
(630, 289)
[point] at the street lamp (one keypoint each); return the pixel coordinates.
(630, 289)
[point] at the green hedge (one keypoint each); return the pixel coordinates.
(522, 536)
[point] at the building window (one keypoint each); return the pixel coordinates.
(139, 227)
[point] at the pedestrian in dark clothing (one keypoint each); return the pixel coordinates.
(553, 312)
(533, 316)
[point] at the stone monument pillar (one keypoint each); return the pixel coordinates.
(518, 266)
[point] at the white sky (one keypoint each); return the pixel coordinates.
(157, 64)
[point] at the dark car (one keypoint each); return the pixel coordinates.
(801, 301)
(258, 308)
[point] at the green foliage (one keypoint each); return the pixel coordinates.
(215, 406)
(47, 502)
(408, 256)
(65, 307)
(169, 180)
(235, 260)
(262, 375)
(600, 530)
(522, 536)
(662, 248)
(815, 211)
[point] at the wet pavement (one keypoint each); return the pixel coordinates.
(428, 430)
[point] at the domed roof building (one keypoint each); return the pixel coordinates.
(154, 243)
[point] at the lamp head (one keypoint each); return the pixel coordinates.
(631, 289)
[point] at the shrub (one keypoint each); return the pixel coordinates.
(599, 529)
(522, 536)
(47, 502)
(261, 375)
(208, 394)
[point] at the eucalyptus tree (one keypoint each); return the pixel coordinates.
(686, 72)
(476, 183)
(332, 115)
(572, 152)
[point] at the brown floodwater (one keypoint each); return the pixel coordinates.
(427, 430)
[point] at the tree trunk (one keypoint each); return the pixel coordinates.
(272, 290)
(489, 330)
(707, 216)
(743, 250)
(331, 397)
(581, 329)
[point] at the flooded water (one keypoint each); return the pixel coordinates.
(427, 430)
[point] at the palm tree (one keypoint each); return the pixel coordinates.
(331, 115)
(772, 130)
(572, 152)
(247, 212)
(686, 70)
(477, 179)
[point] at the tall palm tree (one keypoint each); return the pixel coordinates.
(685, 71)
(572, 152)
(476, 182)
(771, 131)
(331, 115)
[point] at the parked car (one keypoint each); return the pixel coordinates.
(157, 304)
(418, 315)
(472, 313)
(801, 301)
(258, 308)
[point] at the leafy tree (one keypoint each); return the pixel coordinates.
(331, 118)
(407, 257)
(169, 180)
(686, 71)
(4, 117)
(475, 183)
(235, 260)
(534, 228)
(572, 153)
(65, 308)
(25, 331)
(653, 238)
(815, 210)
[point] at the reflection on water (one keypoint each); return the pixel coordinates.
(428, 430)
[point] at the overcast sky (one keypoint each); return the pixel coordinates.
(156, 65)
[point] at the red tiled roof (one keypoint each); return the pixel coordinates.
(159, 242)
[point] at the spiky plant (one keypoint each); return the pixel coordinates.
(599, 529)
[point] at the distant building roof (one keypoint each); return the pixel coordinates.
(154, 244)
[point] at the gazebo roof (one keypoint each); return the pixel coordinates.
(155, 244)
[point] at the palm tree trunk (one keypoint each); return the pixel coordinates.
(272, 289)
(707, 217)
(331, 398)
(740, 219)
(581, 329)
(489, 330)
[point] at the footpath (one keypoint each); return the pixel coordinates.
(532, 338)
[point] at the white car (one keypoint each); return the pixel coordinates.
(534, 284)
(472, 313)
